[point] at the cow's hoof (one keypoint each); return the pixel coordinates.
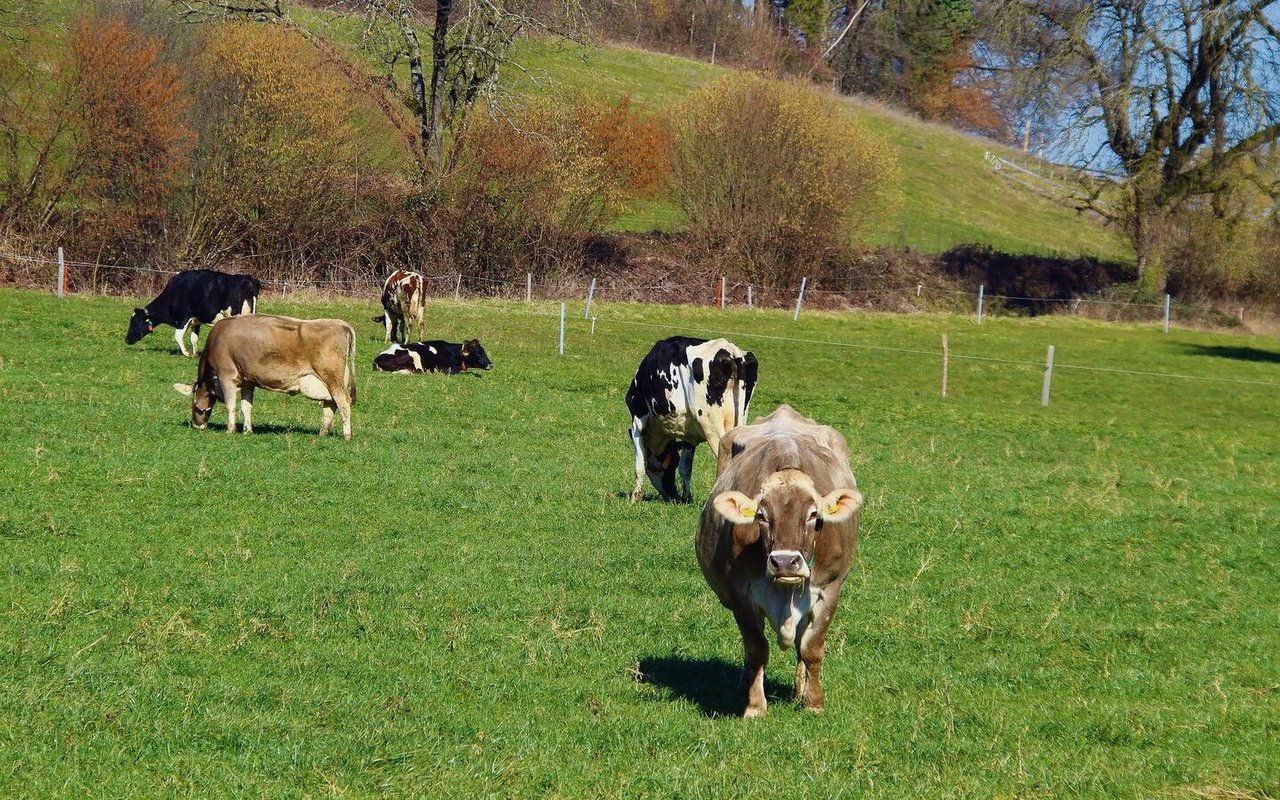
(753, 712)
(813, 709)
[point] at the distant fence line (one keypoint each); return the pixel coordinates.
(942, 356)
(58, 273)
(718, 293)
(572, 292)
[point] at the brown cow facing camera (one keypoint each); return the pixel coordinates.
(776, 540)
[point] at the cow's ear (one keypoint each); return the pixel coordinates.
(839, 505)
(735, 507)
(183, 388)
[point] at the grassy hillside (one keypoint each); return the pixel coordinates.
(948, 197)
(1076, 600)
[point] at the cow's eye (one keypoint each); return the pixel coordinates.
(813, 515)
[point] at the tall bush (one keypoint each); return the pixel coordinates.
(130, 142)
(531, 183)
(275, 153)
(773, 177)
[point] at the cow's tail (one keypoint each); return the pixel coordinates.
(350, 368)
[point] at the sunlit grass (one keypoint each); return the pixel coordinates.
(1072, 600)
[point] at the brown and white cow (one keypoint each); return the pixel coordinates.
(686, 391)
(314, 357)
(403, 299)
(776, 540)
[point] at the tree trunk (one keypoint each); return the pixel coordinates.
(439, 50)
(416, 81)
(1144, 230)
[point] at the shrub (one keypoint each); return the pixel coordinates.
(129, 141)
(530, 184)
(275, 152)
(773, 177)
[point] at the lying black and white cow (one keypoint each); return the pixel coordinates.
(686, 391)
(192, 298)
(433, 356)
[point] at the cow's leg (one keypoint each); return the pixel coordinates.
(344, 409)
(326, 421)
(386, 321)
(180, 334)
(195, 334)
(813, 643)
(685, 469)
(637, 494)
(755, 657)
(246, 408)
(230, 394)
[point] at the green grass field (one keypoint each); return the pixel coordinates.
(1078, 600)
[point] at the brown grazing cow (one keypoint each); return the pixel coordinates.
(403, 299)
(777, 538)
(280, 354)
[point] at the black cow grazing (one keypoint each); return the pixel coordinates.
(433, 356)
(192, 298)
(686, 391)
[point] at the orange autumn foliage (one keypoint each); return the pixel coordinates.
(131, 143)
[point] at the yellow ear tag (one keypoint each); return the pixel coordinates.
(833, 509)
(748, 513)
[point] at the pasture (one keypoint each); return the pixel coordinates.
(1079, 600)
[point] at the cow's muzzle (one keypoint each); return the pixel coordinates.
(787, 568)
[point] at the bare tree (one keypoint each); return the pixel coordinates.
(1174, 94)
(471, 42)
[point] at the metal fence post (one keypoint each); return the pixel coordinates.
(586, 312)
(62, 274)
(562, 329)
(1048, 377)
(1166, 313)
(800, 298)
(750, 304)
(722, 291)
(457, 290)
(528, 287)
(946, 358)
(981, 290)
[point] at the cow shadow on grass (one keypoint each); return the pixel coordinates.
(264, 429)
(710, 683)
(1236, 352)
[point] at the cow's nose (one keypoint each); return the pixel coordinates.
(787, 564)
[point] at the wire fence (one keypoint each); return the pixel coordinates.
(64, 275)
(61, 275)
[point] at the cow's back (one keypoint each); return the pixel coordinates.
(784, 439)
(264, 345)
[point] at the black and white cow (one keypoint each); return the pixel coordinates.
(192, 298)
(433, 356)
(686, 391)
